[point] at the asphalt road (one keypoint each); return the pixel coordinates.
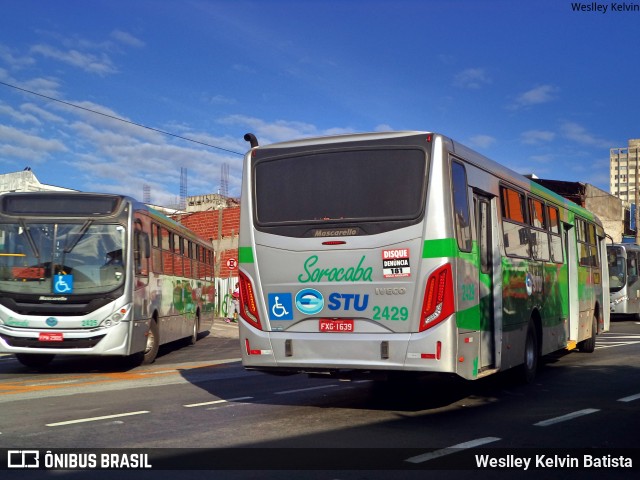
(251, 425)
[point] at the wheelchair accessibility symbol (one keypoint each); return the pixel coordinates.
(280, 306)
(63, 284)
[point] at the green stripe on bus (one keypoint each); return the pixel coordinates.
(443, 247)
(470, 319)
(245, 255)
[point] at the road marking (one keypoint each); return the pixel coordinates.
(630, 398)
(54, 382)
(61, 381)
(453, 449)
(285, 392)
(214, 402)
(610, 340)
(564, 418)
(95, 419)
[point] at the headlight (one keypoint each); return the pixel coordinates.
(118, 316)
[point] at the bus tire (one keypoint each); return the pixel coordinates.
(35, 360)
(589, 345)
(153, 344)
(193, 338)
(529, 367)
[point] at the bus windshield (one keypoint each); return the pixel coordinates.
(318, 187)
(617, 268)
(61, 258)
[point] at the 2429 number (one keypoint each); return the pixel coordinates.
(390, 313)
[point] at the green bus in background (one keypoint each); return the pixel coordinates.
(98, 274)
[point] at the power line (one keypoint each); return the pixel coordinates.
(69, 104)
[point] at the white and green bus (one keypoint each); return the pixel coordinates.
(409, 252)
(624, 280)
(98, 274)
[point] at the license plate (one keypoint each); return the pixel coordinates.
(336, 325)
(50, 337)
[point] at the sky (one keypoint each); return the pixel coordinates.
(115, 95)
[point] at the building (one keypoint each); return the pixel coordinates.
(25, 181)
(608, 208)
(213, 201)
(220, 227)
(623, 171)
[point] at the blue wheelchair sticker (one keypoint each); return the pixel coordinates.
(63, 284)
(280, 306)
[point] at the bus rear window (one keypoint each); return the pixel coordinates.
(340, 186)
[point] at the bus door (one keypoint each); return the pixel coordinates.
(633, 282)
(485, 216)
(140, 278)
(571, 256)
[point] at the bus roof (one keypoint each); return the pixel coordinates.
(470, 155)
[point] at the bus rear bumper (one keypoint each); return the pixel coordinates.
(274, 352)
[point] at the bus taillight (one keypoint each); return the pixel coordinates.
(248, 305)
(438, 298)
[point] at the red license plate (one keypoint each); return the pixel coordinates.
(51, 337)
(327, 325)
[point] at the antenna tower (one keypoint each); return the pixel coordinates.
(224, 179)
(146, 193)
(183, 188)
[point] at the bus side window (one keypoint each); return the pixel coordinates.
(539, 236)
(142, 250)
(632, 267)
(514, 230)
(584, 258)
(461, 206)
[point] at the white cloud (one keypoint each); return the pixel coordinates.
(577, 133)
(533, 137)
(535, 96)
(99, 64)
(14, 60)
(127, 39)
(482, 141)
(238, 67)
(548, 158)
(280, 130)
(19, 137)
(41, 113)
(218, 100)
(18, 144)
(472, 78)
(17, 115)
(43, 86)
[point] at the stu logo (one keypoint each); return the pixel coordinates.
(355, 300)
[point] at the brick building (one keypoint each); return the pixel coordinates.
(220, 227)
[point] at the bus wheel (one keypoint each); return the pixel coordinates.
(589, 345)
(153, 344)
(531, 355)
(35, 360)
(193, 338)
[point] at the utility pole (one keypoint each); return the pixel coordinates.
(637, 210)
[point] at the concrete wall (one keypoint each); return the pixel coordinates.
(608, 208)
